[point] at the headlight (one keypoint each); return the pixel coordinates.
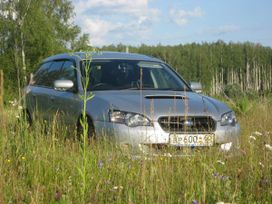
(130, 119)
(228, 119)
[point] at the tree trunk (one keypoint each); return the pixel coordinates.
(23, 57)
(1, 91)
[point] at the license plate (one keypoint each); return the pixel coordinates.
(192, 139)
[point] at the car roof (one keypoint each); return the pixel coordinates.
(102, 56)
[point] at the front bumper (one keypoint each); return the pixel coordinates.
(136, 136)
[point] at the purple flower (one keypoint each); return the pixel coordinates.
(215, 174)
(194, 202)
(100, 164)
(225, 178)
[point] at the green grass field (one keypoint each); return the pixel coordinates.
(39, 167)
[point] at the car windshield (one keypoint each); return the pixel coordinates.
(132, 74)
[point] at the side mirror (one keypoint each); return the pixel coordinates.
(63, 85)
(196, 86)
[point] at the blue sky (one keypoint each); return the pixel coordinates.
(174, 22)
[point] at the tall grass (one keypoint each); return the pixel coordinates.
(38, 166)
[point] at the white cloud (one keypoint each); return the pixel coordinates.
(181, 17)
(109, 21)
(111, 7)
(221, 30)
(97, 29)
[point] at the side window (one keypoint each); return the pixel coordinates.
(48, 73)
(41, 75)
(54, 73)
(68, 71)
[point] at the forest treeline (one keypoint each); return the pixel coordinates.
(216, 65)
(32, 30)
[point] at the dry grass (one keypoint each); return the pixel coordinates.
(39, 167)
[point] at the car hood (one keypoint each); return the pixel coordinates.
(155, 104)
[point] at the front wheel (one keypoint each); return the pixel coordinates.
(91, 130)
(26, 118)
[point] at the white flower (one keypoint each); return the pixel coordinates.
(220, 162)
(257, 133)
(252, 137)
(117, 187)
(14, 102)
(167, 155)
(221, 202)
(261, 164)
(268, 146)
(226, 147)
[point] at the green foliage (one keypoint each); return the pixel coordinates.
(39, 28)
(234, 91)
(81, 44)
(243, 105)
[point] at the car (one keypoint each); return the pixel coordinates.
(138, 100)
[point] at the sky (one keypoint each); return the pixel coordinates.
(173, 22)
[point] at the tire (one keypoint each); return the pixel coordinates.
(27, 118)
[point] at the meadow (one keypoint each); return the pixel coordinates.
(38, 166)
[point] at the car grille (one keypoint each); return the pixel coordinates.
(199, 124)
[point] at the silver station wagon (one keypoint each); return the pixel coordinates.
(138, 100)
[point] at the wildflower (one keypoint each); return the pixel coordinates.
(252, 137)
(20, 107)
(194, 202)
(168, 155)
(23, 158)
(224, 178)
(117, 188)
(100, 164)
(257, 133)
(261, 164)
(268, 146)
(215, 174)
(8, 161)
(226, 147)
(129, 165)
(221, 202)
(220, 162)
(221, 177)
(14, 102)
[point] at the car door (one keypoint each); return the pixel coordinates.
(53, 74)
(36, 96)
(66, 104)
